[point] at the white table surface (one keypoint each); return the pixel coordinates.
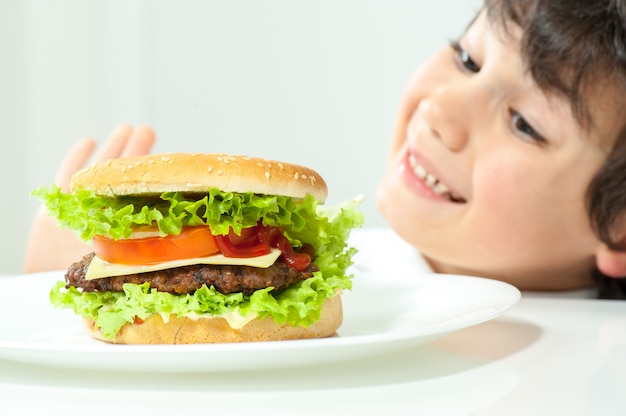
(546, 356)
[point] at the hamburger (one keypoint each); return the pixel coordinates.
(204, 248)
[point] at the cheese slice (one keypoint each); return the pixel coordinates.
(99, 268)
(235, 319)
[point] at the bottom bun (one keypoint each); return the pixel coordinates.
(185, 330)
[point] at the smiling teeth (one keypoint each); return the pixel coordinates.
(429, 179)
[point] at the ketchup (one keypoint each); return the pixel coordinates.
(259, 240)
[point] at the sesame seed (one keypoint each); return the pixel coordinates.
(220, 172)
(280, 165)
(210, 169)
(296, 175)
(267, 175)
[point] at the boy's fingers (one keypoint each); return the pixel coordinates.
(74, 160)
(140, 142)
(123, 141)
(115, 143)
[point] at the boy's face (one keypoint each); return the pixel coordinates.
(487, 173)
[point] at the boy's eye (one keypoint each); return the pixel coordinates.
(521, 126)
(463, 58)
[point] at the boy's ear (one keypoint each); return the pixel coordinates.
(610, 262)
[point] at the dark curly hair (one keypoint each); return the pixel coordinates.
(569, 46)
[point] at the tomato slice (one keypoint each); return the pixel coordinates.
(198, 241)
(190, 243)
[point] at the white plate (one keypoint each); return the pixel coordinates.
(380, 316)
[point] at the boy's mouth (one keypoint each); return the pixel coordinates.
(433, 182)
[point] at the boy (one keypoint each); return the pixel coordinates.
(512, 166)
(509, 154)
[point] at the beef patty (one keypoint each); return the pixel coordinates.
(187, 279)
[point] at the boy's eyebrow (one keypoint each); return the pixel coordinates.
(574, 49)
(548, 74)
(565, 69)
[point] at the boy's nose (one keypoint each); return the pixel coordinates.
(447, 113)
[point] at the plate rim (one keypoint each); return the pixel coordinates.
(402, 338)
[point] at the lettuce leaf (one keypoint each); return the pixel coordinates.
(299, 305)
(89, 214)
(303, 221)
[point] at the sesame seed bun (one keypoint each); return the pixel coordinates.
(198, 172)
(184, 330)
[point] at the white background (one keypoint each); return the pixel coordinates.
(311, 82)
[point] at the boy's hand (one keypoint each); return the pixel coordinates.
(123, 141)
(52, 248)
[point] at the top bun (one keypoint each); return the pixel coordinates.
(197, 173)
